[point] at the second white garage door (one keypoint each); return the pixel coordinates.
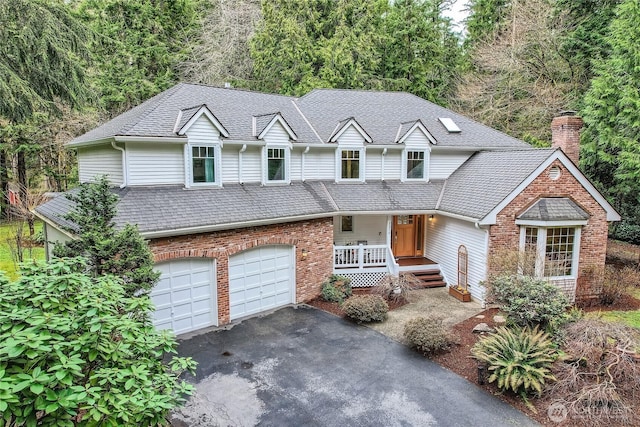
(261, 279)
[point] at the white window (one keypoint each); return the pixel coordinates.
(205, 164)
(351, 164)
(415, 165)
(276, 165)
(346, 224)
(550, 251)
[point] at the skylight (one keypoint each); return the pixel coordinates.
(449, 124)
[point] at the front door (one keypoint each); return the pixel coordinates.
(404, 235)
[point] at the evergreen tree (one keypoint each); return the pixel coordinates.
(422, 55)
(610, 152)
(485, 18)
(137, 48)
(123, 253)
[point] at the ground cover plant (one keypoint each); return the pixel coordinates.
(76, 350)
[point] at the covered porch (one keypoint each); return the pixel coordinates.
(367, 248)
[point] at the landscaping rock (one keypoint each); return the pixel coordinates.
(480, 316)
(482, 327)
(499, 320)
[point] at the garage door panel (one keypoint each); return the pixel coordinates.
(185, 296)
(260, 279)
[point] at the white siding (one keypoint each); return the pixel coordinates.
(53, 235)
(351, 138)
(102, 160)
(444, 236)
(393, 165)
(372, 228)
(295, 164)
(276, 135)
(203, 131)
(230, 163)
(155, 164)
(441, 165)
(373, 165)
(417, 139)
(320, 164)
(252, 164)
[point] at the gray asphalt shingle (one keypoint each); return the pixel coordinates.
(554, 209)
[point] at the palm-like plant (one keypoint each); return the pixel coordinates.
(518, 359)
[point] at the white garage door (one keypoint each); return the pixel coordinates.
(260, 279)
(185, 296)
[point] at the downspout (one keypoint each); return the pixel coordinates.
(306, 150)
(486, 248)
(242, 150)
(384, 154)
(124, 164)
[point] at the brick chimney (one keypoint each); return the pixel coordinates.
(565, 134)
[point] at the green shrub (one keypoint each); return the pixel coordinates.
(366, 308)
(427, 334)
(519, 359)
(528, 301)
(74, 346)
(336, 289)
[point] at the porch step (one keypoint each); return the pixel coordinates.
(428, 278)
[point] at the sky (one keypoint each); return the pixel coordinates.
(457, 14)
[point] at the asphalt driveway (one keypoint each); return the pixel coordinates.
(305, 367)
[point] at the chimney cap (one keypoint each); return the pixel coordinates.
(567, 113)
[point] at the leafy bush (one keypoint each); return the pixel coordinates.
(519, 360)
(77, 349)
(397, 289)
(627, 232)
(366, 308)
(427, 334)
(528, 301)
(336, 289)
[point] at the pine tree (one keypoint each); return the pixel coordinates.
(611, 142)
(123, 253)
(484, 19)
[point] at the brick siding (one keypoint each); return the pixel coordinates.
(505, 234)
(316, 236)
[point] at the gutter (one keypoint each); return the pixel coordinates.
(54, 225)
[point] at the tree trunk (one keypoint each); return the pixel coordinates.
(4, 185)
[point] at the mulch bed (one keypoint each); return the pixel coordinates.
(334, 307)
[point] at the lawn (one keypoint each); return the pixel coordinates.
(7, 261)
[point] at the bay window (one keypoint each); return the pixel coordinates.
(549, 251)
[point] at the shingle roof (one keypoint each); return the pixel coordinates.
(379, 113)
(484, 180)
(385, 196)
(554, 209)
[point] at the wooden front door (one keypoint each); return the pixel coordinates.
(404, 235)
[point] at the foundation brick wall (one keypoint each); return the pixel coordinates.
(505, 234)
(316, 236)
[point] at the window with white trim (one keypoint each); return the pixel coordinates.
(276, 164)
(350, 163)
(549, 251)
(415, 164)
(203, 164)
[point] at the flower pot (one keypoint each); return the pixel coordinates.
(460, 295)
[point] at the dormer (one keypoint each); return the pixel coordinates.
(202, 153)
(415, 157)
(350, 155)
(274, 130)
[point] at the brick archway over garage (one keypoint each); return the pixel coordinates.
(316, 236)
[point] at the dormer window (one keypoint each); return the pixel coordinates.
(276, 164)
(350, 164)
(415, 164)
(205, 164)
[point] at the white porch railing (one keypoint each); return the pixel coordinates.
(361, 257)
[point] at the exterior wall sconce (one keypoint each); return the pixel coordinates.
(304, 254)
(430, 217)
